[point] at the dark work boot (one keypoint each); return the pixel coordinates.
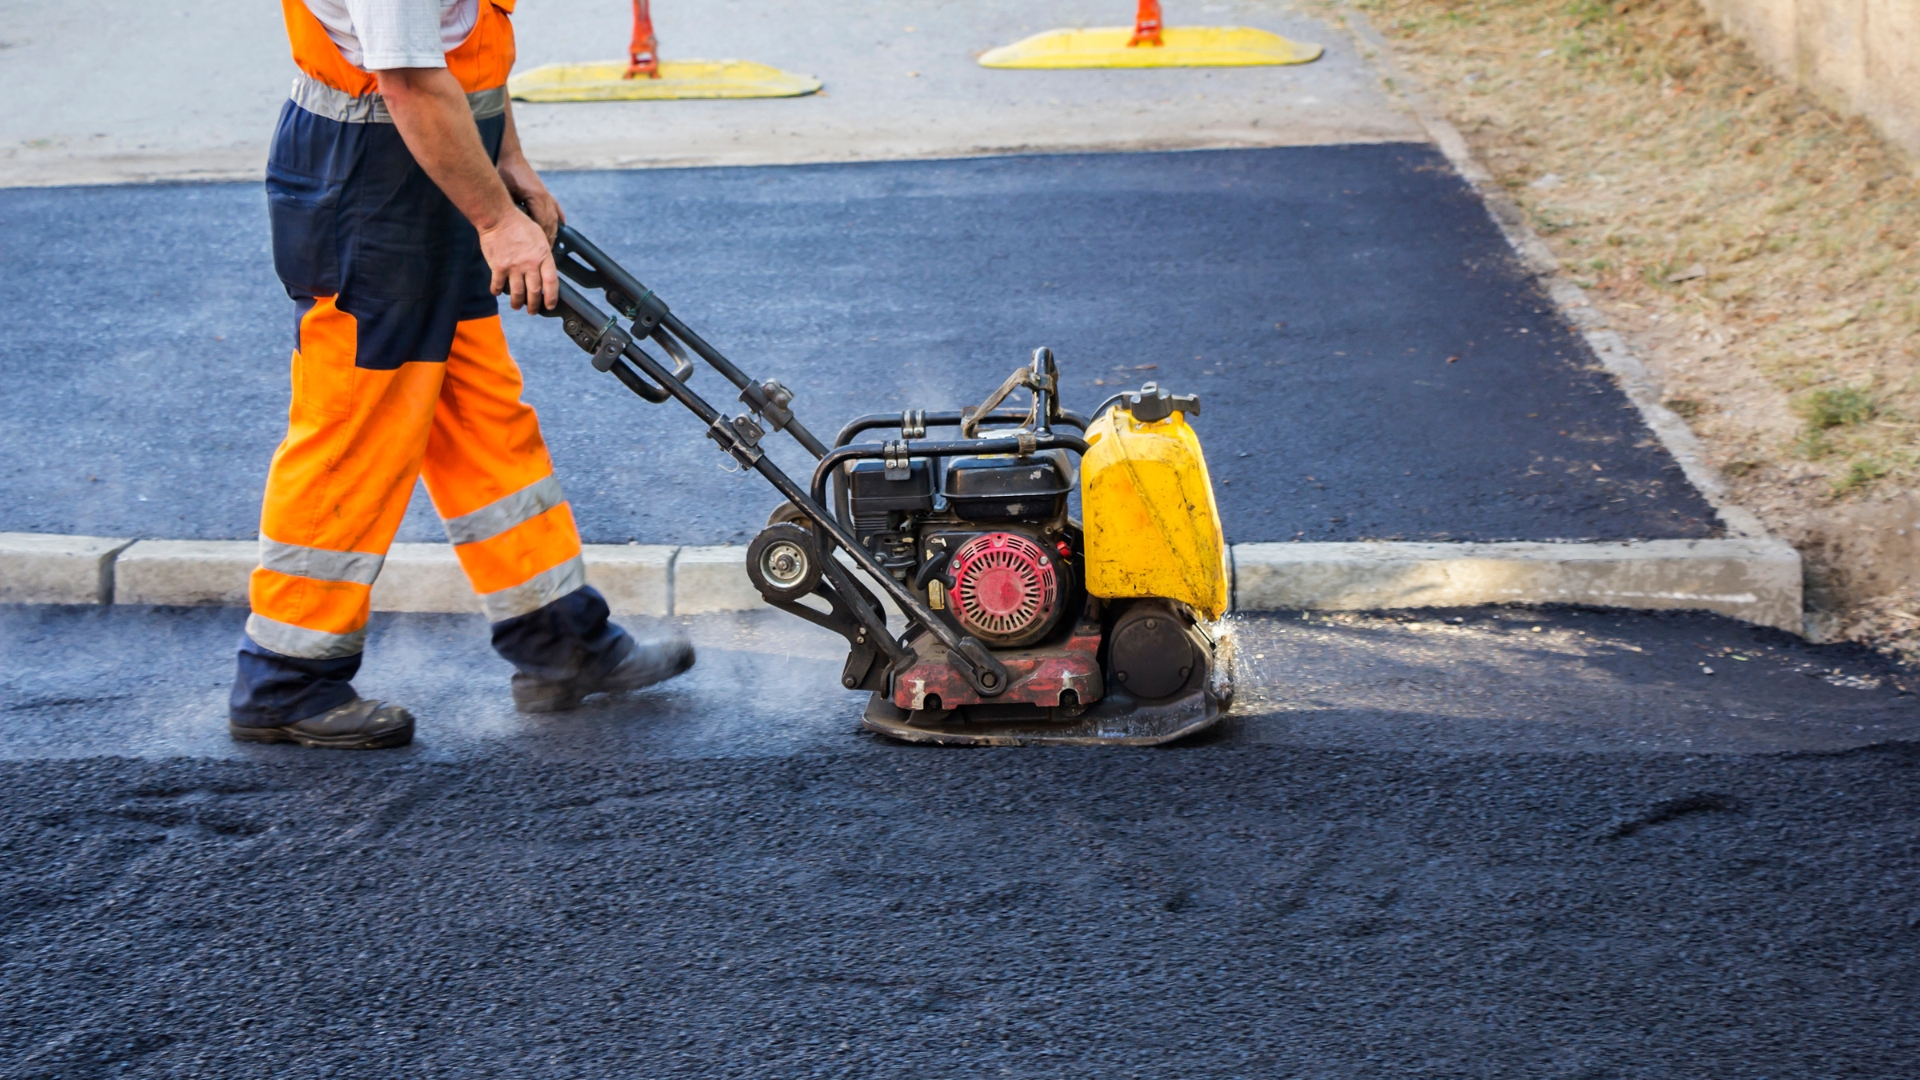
(650, 661)
(360, 724)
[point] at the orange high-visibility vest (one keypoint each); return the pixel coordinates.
(482, 62)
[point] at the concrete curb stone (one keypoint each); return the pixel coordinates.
(636, 579)
(712, 579)
(1754, 579)
(36, 568)
(423, 577)
(189, 573)
(416, 577)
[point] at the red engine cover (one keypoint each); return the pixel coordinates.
(1005, 591)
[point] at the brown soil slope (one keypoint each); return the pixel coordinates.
(1760, 253)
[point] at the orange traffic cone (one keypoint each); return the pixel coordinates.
(1146, 24)
(641, 56)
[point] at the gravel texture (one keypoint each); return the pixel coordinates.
(1497, 842)
(1207, 912)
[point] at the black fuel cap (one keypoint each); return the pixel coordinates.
(1155, 403)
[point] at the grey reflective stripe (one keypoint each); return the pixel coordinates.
(322, 100)
(536, 592)
(358, 567)
(502, 514)
(290, 640)
(486, 103)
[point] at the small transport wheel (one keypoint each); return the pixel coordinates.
(783, 562)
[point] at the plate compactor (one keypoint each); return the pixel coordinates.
(1023, 626)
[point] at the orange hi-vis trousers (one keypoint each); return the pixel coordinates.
(400, 370)
(341, 480)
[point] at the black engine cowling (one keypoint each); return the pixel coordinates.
(1032, 489)
(991, 550)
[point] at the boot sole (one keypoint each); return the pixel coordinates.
(385, 740)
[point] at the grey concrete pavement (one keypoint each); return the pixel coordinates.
(109, 91)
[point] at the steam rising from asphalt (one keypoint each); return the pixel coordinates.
(153, 682)
(765, 684)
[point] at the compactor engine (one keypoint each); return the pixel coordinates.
(1026, 619)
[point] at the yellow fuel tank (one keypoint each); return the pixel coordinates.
(1147, 503)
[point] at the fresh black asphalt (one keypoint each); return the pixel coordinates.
(1494, 842)
(1207, 912)
(1373, 362)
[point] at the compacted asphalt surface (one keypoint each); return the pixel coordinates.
(1215, 912)
(1372, 361)
(1477, 843)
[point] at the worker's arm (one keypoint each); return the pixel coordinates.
(436, 123)
(524, 184)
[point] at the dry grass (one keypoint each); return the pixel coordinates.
(1761, 253)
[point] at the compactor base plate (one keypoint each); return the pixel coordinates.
(1113, 721)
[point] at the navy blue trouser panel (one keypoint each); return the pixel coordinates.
(270, 690)
(569, 637)
(356, 217)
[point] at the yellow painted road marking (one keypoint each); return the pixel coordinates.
(1185, 46)
(679, 79)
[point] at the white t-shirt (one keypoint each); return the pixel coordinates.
(378, 35)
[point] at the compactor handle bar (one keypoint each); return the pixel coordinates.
(615, 350)
(577, 258)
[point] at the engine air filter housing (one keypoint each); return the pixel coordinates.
(1005, 589)
(996, 488)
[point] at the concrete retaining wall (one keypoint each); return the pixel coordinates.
(1861, 56)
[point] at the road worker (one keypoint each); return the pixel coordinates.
(392, 187)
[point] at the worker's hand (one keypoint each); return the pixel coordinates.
(545, 211)
(521, 258)
(525, 187)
